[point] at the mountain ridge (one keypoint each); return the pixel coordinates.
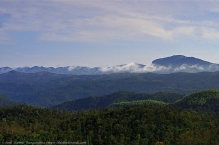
(171, 64)
(43, 89)
(117, 97)
(178, 60)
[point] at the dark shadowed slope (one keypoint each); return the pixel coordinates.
(45, 90)
(5, 101)
(107, 100)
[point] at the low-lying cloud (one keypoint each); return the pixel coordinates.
(126, 68)
(134, 68)
(137, 68)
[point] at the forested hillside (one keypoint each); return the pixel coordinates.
(202, 101)
(144, 125)
(108, 100)
(137, 103)
(43, 89)
(5, 101)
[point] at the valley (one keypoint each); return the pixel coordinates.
(40, 90)
(109, 72)
(116, 108)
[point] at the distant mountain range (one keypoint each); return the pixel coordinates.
(48, 89)
(175, 63)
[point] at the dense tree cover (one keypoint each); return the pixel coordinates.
(107, 100)
(136, 103)
(5, 101)
(26, 123)
(202, 101)
(167, 97)
(101, 102)
(44, 89)
(145, 125)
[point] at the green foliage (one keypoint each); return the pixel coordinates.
(107, 100)
(46, 89)
(167, 97)
(202, 101)
(135, 125)
(137, 103)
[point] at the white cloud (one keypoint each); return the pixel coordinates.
(213, 67)
(216, 10)
(99, 21)
(210, 33)
(135, 68)
(70, 68)
(184, 31)
(4, 38)
(189, 68)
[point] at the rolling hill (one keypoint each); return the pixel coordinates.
(144, 125)
(202, 101)
(46, 89)
(116, 98)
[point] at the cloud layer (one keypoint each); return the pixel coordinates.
(105, 33)
(136, 68)
(96, 21)
(126, 68)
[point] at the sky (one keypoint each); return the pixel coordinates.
(54, 33)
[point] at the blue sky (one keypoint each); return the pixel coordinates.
(106, 32)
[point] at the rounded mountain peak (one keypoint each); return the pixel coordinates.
(178, 60)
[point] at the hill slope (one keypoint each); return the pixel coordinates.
(5, 101)
(101, 102)
(137, 103)
(107, 100)
(202, 101)
(45, 89)
(137, 125)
